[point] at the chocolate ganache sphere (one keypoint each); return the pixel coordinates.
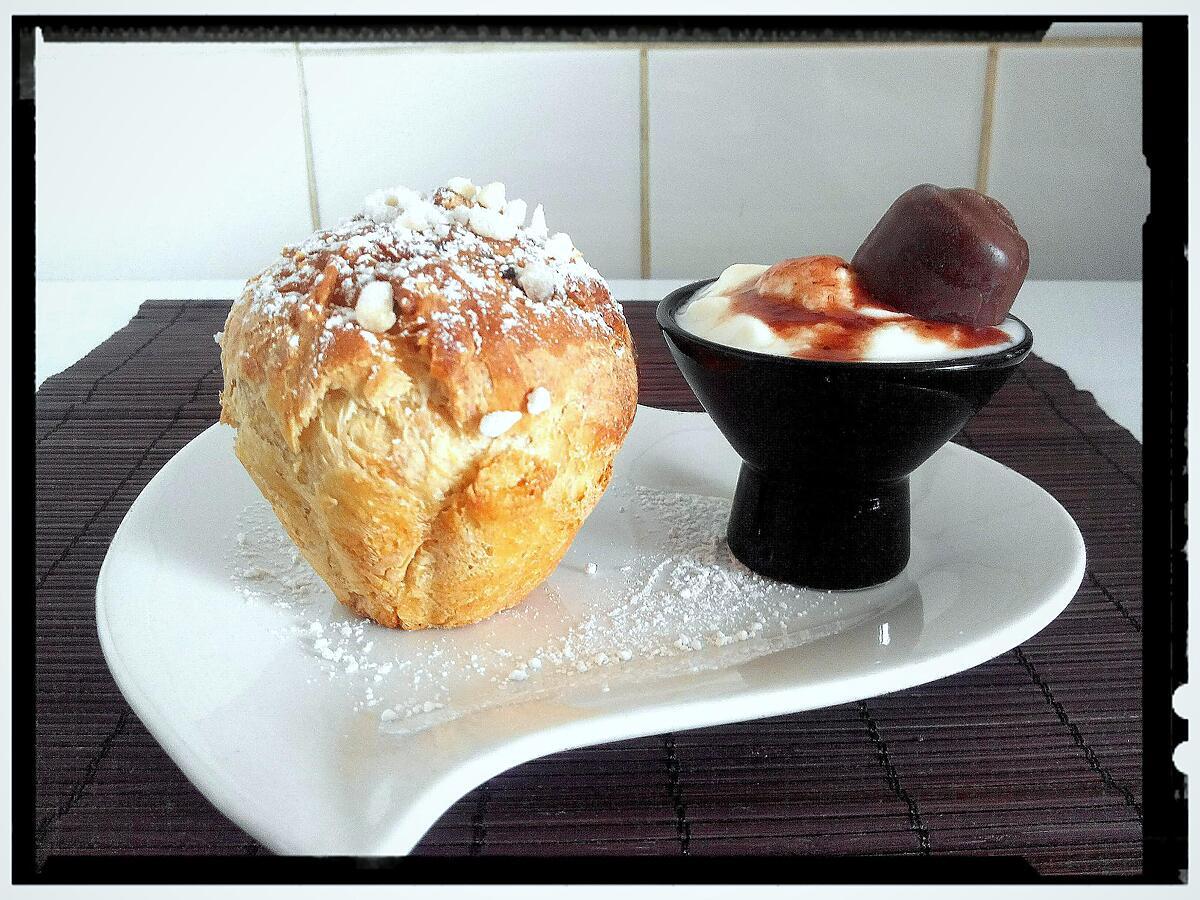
(949, 255)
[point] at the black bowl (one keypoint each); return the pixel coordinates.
(827, 447)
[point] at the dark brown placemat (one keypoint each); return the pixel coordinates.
(1036, 753)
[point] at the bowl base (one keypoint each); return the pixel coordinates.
(802, 532)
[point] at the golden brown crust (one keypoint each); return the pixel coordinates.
(369, 445)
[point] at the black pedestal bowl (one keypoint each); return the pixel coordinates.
(822, 499)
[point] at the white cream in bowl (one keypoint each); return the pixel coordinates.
(812, 308)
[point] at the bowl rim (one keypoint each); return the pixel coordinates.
(669, 305)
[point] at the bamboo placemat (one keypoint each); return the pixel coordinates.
(1036, 753)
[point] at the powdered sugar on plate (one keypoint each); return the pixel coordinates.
(670, 600)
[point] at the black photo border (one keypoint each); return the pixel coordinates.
(1164, 49)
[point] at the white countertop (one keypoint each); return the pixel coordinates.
(1093, 329)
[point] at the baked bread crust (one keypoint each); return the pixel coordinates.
(378, 447)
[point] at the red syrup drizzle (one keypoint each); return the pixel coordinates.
(842, 335)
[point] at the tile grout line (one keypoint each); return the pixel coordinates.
(306, 130)
(644, 151)
(987, 119)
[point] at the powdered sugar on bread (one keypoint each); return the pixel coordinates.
(455, 244)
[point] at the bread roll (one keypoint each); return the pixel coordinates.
(430, 395)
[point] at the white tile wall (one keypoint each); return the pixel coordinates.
(559, 127)
(760, 154)
(186, 161)
(1067, 158)
(166, 161)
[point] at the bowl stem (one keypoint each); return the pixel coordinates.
(801, 530)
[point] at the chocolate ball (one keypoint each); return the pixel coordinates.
(946, 255)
